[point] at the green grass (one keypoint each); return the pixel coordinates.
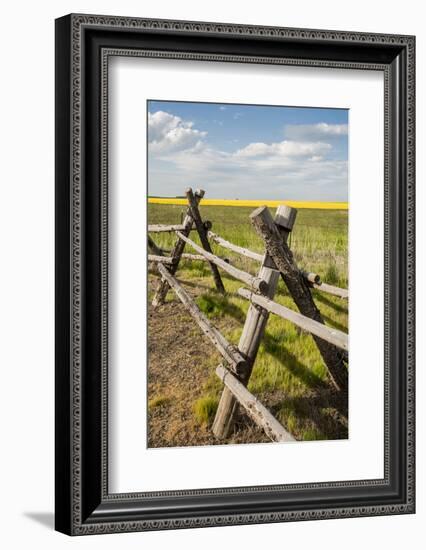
(205, 409)
(288, 368)
(158, 401)
(319, 239)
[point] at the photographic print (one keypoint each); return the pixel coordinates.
(247, 273)
(215, 211)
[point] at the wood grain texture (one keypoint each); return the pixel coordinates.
(161, 259)
(254, 408)
(331, 335)
(163, 228)
(235, 248)
(176, 253)
(311, 277)
(253, 282)
(334, 290)
(202, 233)
(299, 289)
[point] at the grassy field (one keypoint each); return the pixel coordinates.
(289, 376)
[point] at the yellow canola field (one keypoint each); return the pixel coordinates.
(255, 203)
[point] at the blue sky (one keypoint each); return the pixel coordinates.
(248, 151)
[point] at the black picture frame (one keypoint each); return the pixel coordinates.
(83, 45)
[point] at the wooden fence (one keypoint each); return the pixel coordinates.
(276, 262)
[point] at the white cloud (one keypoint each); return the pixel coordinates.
(254, 157)
(298, 169)
(283, 149)
(167, 133)
(222, 177)
(304, 176)
(222, 108)
(313, 132)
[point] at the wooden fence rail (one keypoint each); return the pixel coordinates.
(195, 257)
(313, 278)
(258, 412)
(186, 256)
(335, 290)
(333, 336)
(254, 282)
(161, 259)
(235, 248)
(161, 228)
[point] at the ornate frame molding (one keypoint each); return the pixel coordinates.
(73, 49)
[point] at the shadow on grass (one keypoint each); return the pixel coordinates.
(334, 323)
(330, 303)
(216, 304)
(191, 284)
(291, 363)
(324, 407)
(275, 347)
(326, 410)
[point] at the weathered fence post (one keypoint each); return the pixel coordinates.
(195, 213)
(154, 248)
(176, 253)
(253, 330)
(299, 289)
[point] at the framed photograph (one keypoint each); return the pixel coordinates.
(234, 274)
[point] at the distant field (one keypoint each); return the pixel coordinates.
(289, 375)
(319, 239)
(254, 203)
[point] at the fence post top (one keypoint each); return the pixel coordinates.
(285, 216)
(261, 212)
(198, 192)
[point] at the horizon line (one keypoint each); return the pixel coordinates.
(325, 205)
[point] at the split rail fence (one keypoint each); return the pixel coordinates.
(278, 261)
